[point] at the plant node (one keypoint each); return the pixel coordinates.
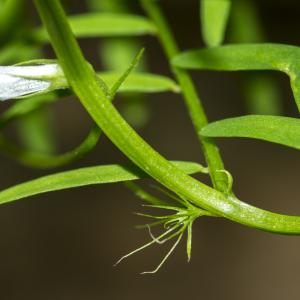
(174, 226)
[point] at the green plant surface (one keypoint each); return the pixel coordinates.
(145, 196)
(108, 5)
(10, 53)
(280, 130)
(262, 94)
(260, 90)
(214, 17)
(115, 54)
(35, 129)
(245, 25)
(190, 96)
(11, 15)
(246, 57)
(84, 177)
(43, 82)
(36, 133)
(134, 82)
(83, 80)
(141, 82)
(103, 25)
(42, 160)
(26, 106)
(180, 220)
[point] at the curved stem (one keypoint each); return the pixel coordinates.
(47, 161)
(36, 159)
(192, 100)
(84, 82)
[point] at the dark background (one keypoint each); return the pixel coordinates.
(63, 245)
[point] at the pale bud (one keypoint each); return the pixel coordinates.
(24, 80)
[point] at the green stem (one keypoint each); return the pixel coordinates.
(193, 103)
(84, 82)
(142, 194)
(39, 160)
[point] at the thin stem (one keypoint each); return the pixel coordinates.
(166, 257)
(83, 80)
(47, 161)
(153, 241)
(142, 194)
(192, 100)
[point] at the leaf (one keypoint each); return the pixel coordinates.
(10, 53)
(261, 91)
(115, 53)
(239, 57)
(83, 177)
(275, 129)
(283, 58)
(214, 17)
(136, 82)
(42, 160)
(119, 82)
(104, 25)
(141, 82)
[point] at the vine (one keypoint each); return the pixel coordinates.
(189, 199)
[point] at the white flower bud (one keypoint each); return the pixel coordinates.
(24, 80)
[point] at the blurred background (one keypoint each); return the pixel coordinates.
(63, 245)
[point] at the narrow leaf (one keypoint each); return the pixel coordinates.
(275, 129)
(242, 57)
(119, 82)
(83, 177)
(10, 53)
(141, 82)
(261, 91)
(27, 81)
(214, 17)
(115, 53)
(104, 25)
